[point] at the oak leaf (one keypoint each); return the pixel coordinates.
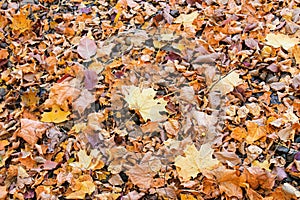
(57, 115)
(195, 161)
(281, 40)
(143, 102)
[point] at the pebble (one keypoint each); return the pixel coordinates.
(282, 150)
(4, 6)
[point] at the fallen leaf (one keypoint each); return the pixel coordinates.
(195, 161)
(87, 48)
(32, 130)
(90, 79)
(56, 115)
(186, 19)
(255, 132)
(84, 101)
(143, 102)
(20, 23)
(3, 54)
(3, 192)
(84, 160)
(229, 181)
(84, 187)
(281, 40)
(227, 84)
(257, 177)
(61, 94)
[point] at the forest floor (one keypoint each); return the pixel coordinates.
(131, 99)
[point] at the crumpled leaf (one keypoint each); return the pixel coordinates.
(32, 130)
(56, 115)
(87, 48)
(281, 40)
(143, 102)
(195, 161)
(227, 84)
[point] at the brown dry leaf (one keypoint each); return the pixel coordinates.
(296, 53)
(142, 174)
(32, 130)
(3, 192)
(229, 158)
(281, 40)
(84, 101)
(227, 84)
(194, 161)
(20, 23)
(230, 182)
(239, 134)
(62, 94)
(255, 132)
(142, 101)
(3, 54)
(56, 115)
(257, 177)
(30, 98)
(3, 21)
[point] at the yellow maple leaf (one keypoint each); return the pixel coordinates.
(143, 102)
(195, 161)
(281, 40)
(20, 23)
(56, 115)
(85, 187)
(227, 84)
(186, 19)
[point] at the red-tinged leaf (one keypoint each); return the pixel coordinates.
(48, 165)
(90, 79)
(87, 48)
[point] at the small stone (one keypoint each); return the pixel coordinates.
(282, 150)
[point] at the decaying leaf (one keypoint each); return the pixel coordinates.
(227, 84)
(143, 102)
(194, 161)
(56, 115)
(281, 40)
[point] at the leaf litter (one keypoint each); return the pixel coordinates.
(149, 100)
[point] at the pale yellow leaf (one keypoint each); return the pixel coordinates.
(142, 101)
(227, 84)
(281, 40)
(195, 161)
(186, 19)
